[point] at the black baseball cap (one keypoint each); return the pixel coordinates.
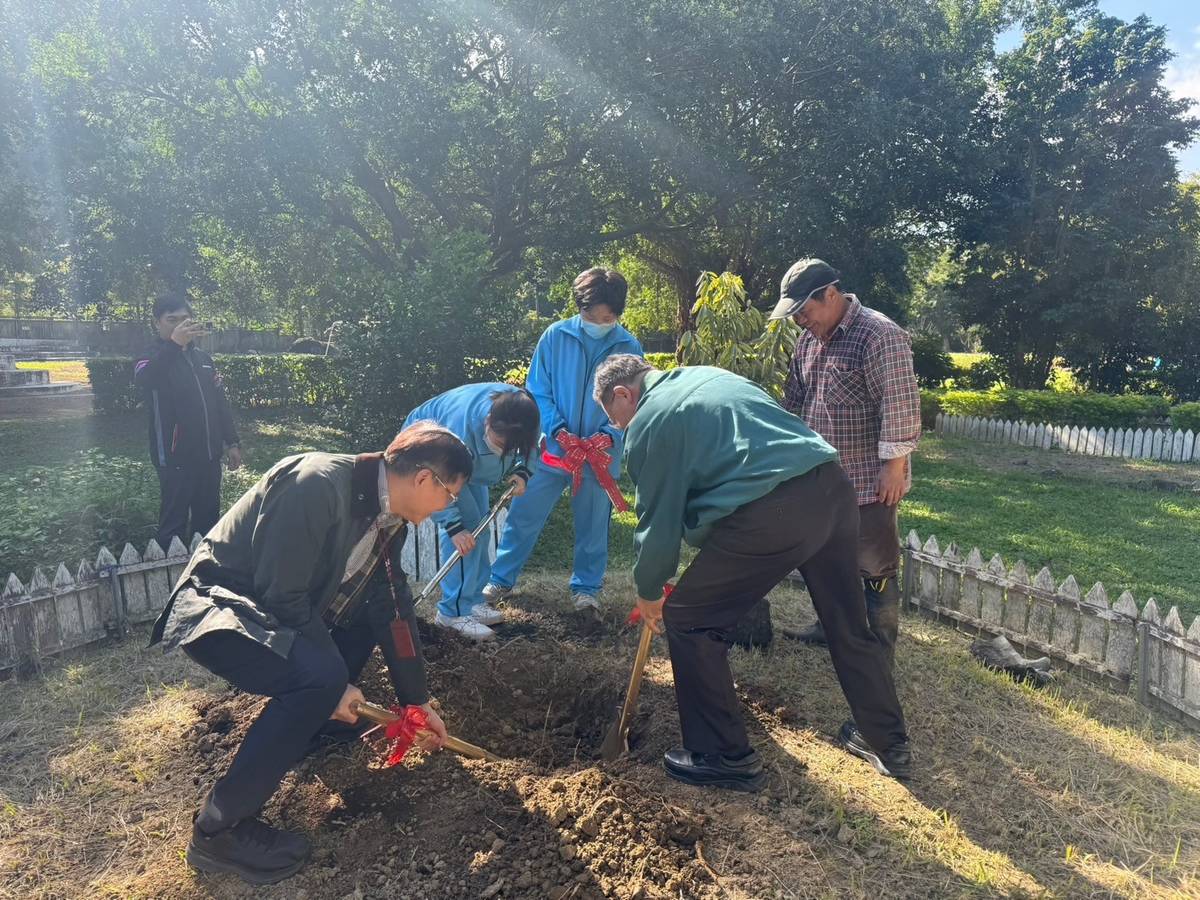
(800, 282)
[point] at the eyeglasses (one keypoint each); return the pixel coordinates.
(453, 496)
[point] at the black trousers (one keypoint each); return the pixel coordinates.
(189, 489)
(809, 523)
(304, 689)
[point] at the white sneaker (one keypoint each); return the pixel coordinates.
(466, 626)
(493, 593)
(481, 612)
(584, 601)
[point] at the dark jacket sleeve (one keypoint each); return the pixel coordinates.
(288, 545)
(151, 367)
(394, 621)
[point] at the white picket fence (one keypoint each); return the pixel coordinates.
(1115, 640)
(103, 599)
(1164, 444)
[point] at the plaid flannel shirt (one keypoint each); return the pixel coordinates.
(858, 391)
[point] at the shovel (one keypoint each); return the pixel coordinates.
(386, 717)
(454, 557)
(616, 741)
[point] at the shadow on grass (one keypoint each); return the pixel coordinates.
(1016, 790)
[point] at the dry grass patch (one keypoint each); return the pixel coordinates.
(1071, 792)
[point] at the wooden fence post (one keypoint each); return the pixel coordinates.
(1149, 668)
(992, 593)
(1172, 657)
(1041, 609)
(1122, 637)
(1066, 615)
(1016, 607)
(972, 588)
(1093, 627)
(951, 586)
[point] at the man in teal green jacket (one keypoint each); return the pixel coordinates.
(718, 463)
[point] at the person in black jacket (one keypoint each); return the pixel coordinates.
(191, 424)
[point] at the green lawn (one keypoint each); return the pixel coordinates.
(70, 485)
(61, 369)
(1099, 520)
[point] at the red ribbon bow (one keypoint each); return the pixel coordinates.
(576, 452)
(404, 731)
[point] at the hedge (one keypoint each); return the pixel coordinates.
(1186, 416)
(257, 381)
(1051, 407)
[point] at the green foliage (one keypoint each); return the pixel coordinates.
(931, 364)
(662, 361)
(1075, 217)
(931, 405)
(435, 327)
(112, 383)
(291, 381)
(92, 499)
(1053, 407)
(983, 375)
(733, 335)
(517, 375)
(1186, 416)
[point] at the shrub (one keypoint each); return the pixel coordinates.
(1186, 416)
(662, 361)
(930, 362)
(930, 407)
(112, 383)
(1053, 407)
(982, 375)
(259, 381)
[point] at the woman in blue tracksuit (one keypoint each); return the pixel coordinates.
(500, 425)
(560, 379)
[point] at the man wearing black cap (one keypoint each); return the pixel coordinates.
(851, 380)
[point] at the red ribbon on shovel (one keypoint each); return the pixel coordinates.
(404, 731)
(635, 615)
(577, 452)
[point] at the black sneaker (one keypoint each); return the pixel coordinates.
(896, 762)
(251, 849)
(714, 770)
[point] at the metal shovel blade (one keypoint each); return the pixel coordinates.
(616, 742)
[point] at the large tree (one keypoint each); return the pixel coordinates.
(1070, 224)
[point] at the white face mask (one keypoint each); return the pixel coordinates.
(498, 449)
(595, 329)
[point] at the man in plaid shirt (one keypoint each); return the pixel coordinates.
(851, 380)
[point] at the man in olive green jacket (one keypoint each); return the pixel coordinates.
(286, 597)
(718, 463)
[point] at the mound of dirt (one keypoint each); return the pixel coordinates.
(548, 821)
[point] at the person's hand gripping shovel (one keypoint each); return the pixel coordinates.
(616, 742)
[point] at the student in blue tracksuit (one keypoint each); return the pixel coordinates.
(560, 378)
(500, 425)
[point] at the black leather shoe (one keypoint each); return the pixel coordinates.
(896, 762)
(251, 849)
(712, 769)
(809, 634)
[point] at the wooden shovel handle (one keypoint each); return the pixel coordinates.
(381, 716)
